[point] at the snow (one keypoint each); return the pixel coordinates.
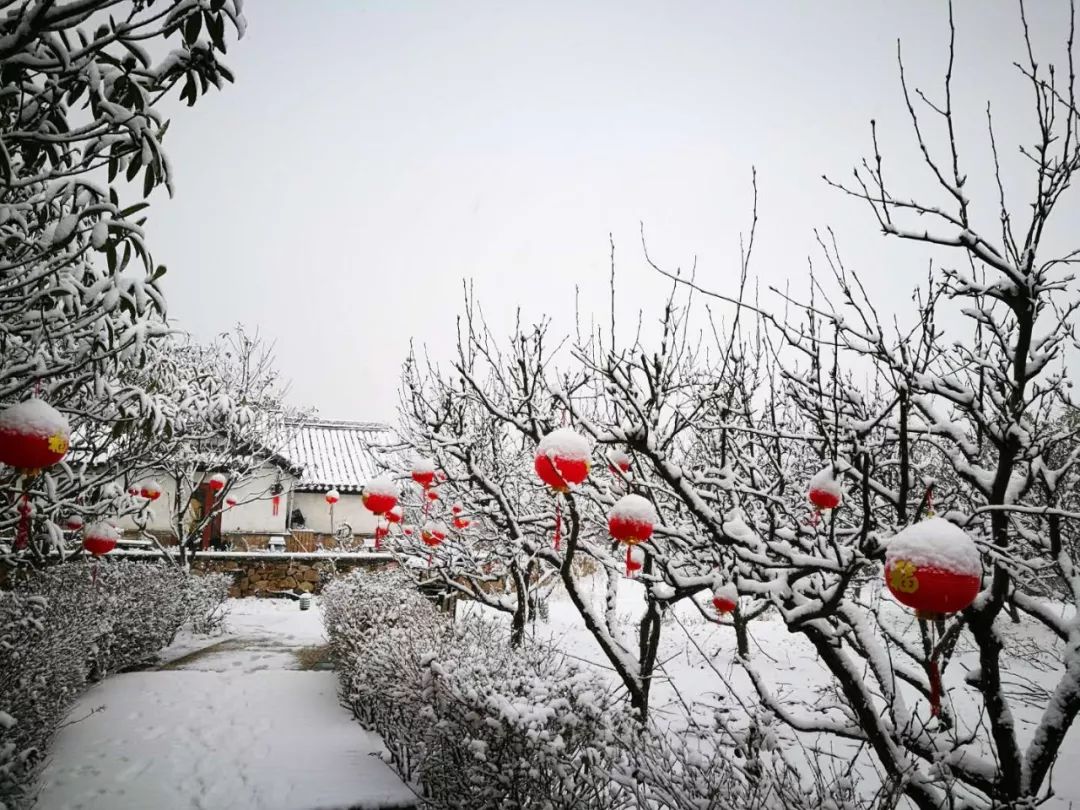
(564, 443)
(35, 417)
(333, 496)
(727, 591)
(827, 481)
(935, 543)
(619, 459)
(103, 531)
(634, 508)
(381, 485)
(245, 729)
(423, 465)
(219, 478)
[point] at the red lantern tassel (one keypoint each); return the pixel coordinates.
(276, 503)
(629, 559)
(22, 537)
(558, 523)
(378, 539)
(935, 688)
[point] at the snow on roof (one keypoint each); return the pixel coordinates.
(337, 454)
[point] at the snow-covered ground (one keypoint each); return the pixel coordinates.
(236, 722)
(699, 669)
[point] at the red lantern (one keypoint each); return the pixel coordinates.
(631, 519)
(407, 531)
(432, 495)
(100, 538)
(217, 482)
(133, 491)
(725, 598)
(275, 504)
(562, 459)
(934, 567)
(333, 496)
(151, 490)
(462, 523)
(825, 490)
(230, 502)
(73, 523)
(457, 509)
(619, 462)
(394, 515)
(423, 472)
(33, 435)
(380, 495)
(433, 534)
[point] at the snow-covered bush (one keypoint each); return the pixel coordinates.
(64, 627)
(206, 595)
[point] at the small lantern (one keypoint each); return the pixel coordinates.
(100, 538)
(33, 435)
(380, 495)
(217, 482)
(407, 531)
(133, 490)
(151, 490)
(934, 567)
(423, 472)
(432, 495)
(619, 462)
(462, 523)
(230, 502)
(725, 598)
(394, 515)
(433, 533)
(275, 497)
(73, 523)
(825, 491)
(333, 496)
(562, 459)
(457, 509)
(631, 519)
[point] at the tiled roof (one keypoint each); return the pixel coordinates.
(339, 455)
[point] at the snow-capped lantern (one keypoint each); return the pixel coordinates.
(725, 598)
(461, 523)
(100, 538)
(333, 496)
(73, 523)
(217, 482)
(562, 459)
(433, 533)
(33, 435)
(230, 502)
(631, 519)
(619, 462)
(635, 559)
(394, 515)
(825, 491)
(423, 472)
(407, 531)
(432, 495)
(151, 490)
(380, 495)
(457, 509)
(934, 567)
(275, 497)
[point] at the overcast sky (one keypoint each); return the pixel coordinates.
(372, 155)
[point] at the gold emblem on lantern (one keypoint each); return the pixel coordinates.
(58, 443)
(902, 577)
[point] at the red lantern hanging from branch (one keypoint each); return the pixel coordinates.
(407, 531)
(26, 512)
(380, 495)
(433, 533)
(151, 490)
(380, 533)
(461, 523)
(825, 491)
(133, 490)
(631, 521)
(230, 502)
(73, 523)
(333, 496)
(457, 509)
(934, 567)
(217, 482)
(619, 462)
(423, 472)
(33, 435)
(394, 515)
(100, 538)
(275, 497)
(562, 459)
(725, 598)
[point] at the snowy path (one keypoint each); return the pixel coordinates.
(238, 724)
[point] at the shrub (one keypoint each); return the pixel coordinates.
(59, 631)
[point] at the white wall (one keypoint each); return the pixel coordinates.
(350, 509)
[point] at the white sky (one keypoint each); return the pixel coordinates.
(372, 155)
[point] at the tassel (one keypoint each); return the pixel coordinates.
(558, 523)
(22, 537)
(276, 502)
(629, 560)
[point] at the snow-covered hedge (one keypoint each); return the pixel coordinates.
(59, 631)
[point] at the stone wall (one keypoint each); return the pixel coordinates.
(277, 574)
